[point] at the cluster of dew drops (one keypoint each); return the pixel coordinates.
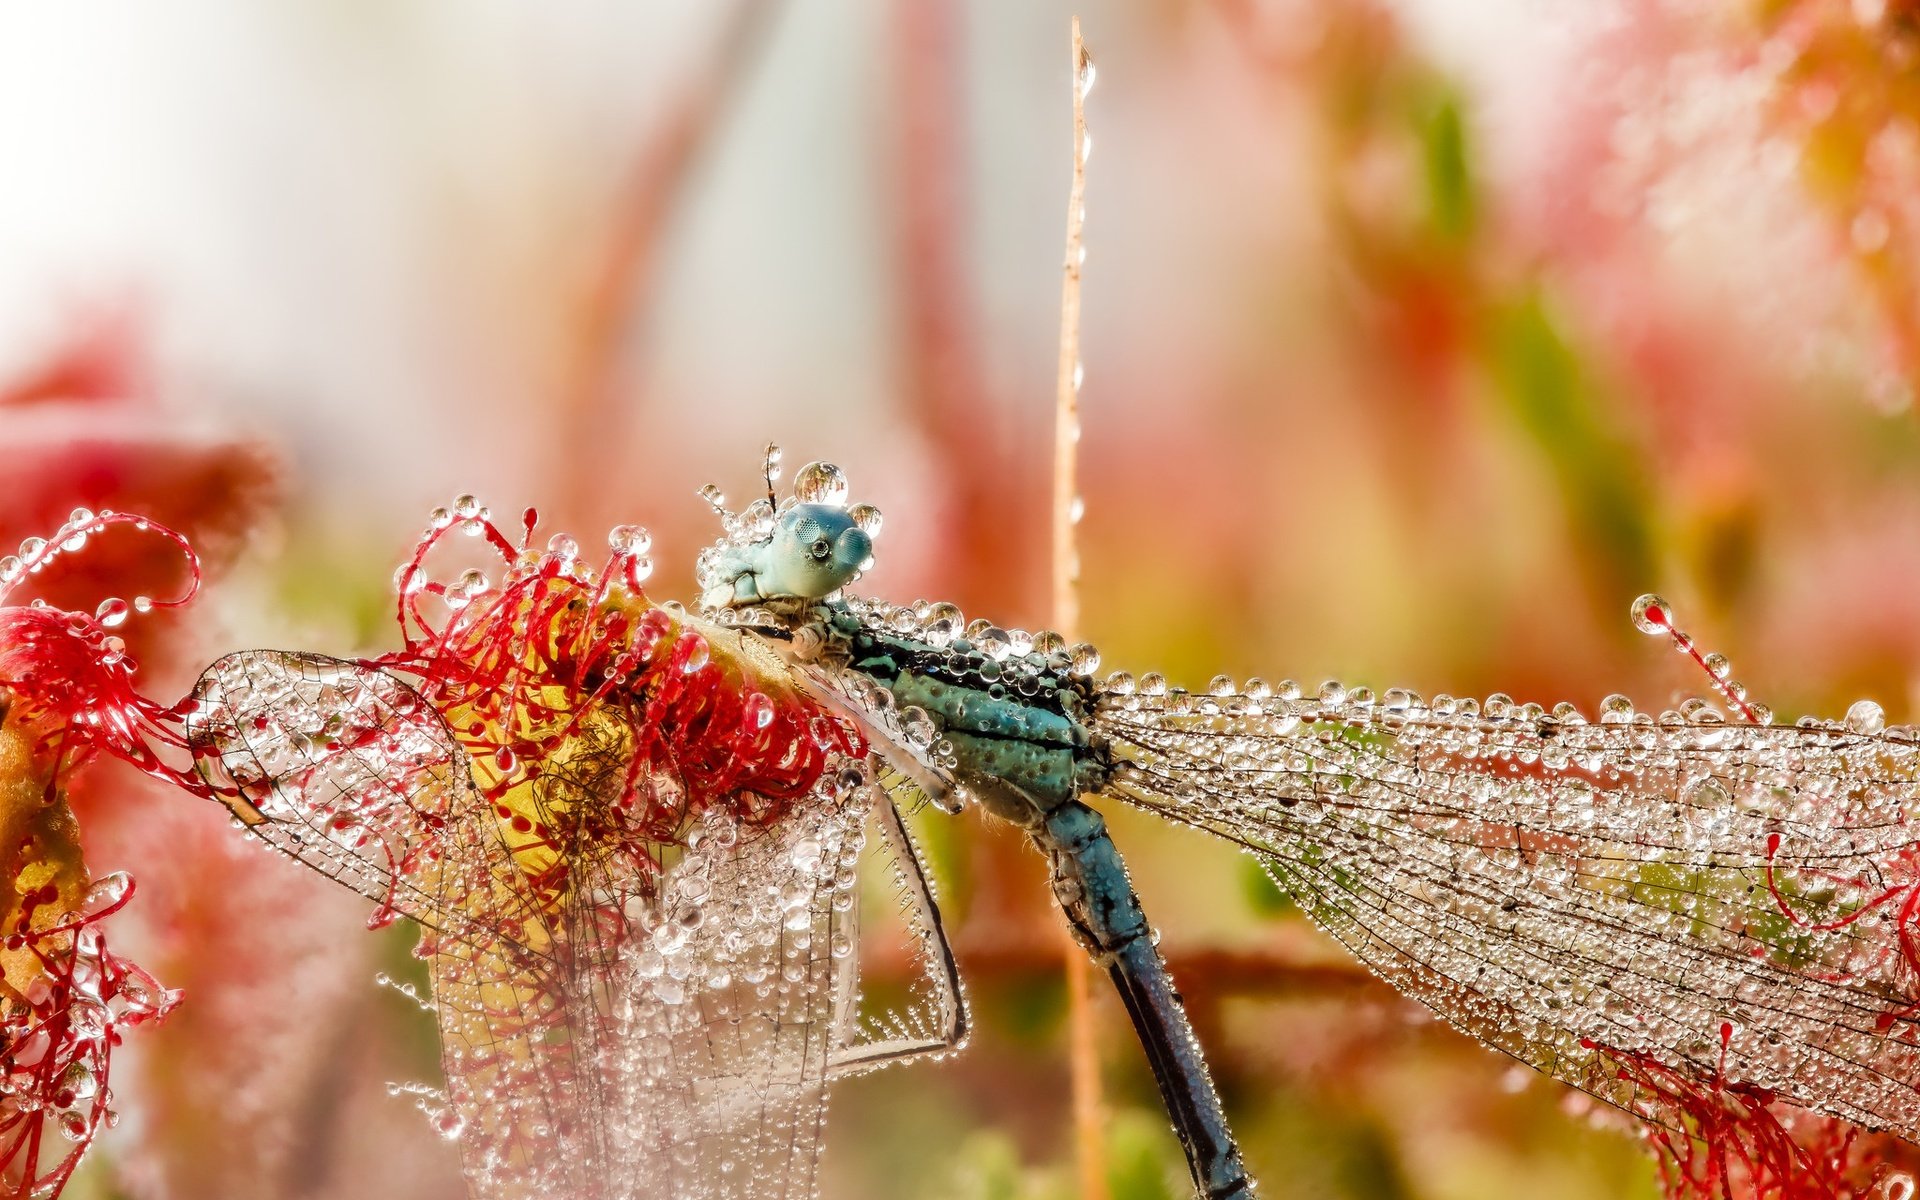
(630, 544)
(1649, 613)
(36, 554)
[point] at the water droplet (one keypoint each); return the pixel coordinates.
(1866, 717)
(112, 612)
(631, 540)
(1652, 615)
(994, 642)
(759, 711)
(697, 655)
(821, 483)
(466, 506)
(107, 891)
(1083, 660)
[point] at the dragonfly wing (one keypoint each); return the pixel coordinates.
(1734, 902)
(676, 1041)
(933, 1019)
(345, 768)
(868, 707)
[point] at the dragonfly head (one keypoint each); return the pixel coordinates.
(803, 548)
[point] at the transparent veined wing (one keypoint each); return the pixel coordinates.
(931, 1017)
(679, 1046)
(1735, 902)
(347, 769)
(612, 1023)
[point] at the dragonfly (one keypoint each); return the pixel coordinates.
(630, 833)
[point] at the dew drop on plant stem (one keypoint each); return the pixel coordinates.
(1652, 616)
(630, 539)
(112, 612)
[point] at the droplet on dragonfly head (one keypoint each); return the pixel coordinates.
(821, 483)
(1652, 616)
(1866, 717)
(867, 518)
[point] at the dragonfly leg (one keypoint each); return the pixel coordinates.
(1091, 883)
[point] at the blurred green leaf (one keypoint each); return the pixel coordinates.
(1263, 895)
(1601, 476)
(1450, 199)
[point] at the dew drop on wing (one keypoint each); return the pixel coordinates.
(1570, 892)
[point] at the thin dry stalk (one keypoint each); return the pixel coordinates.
(1083, 1046)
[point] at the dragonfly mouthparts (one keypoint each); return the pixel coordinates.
(803, 548)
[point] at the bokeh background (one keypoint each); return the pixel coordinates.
(1420, 336)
